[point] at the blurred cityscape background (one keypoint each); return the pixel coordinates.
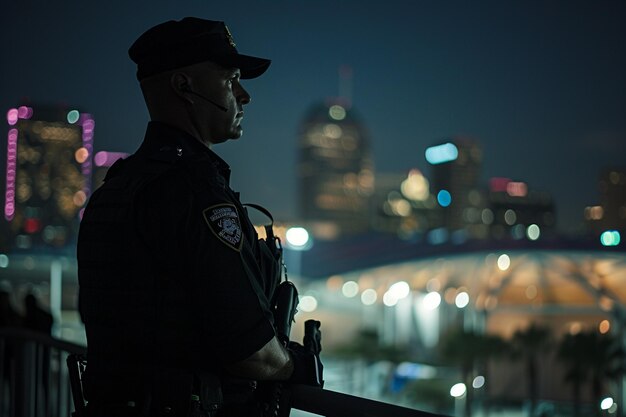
(449, 182)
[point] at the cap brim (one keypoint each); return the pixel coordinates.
(250, 66)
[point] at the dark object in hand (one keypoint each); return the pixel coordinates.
(308, 368)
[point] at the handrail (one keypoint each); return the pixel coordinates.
(32, 367)
(42, 339)
(335, 404)
(22, 390)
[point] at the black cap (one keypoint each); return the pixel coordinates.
(189, 41)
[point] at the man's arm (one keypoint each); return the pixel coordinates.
(271, 363)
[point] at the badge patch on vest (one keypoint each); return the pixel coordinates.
(223, 221)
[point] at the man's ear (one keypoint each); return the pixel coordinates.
(181, 84)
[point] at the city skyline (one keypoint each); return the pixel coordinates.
(542, 87)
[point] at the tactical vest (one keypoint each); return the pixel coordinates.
(138, 328)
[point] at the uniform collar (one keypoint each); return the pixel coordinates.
(169, 144)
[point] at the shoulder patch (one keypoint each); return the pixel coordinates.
(223, 221)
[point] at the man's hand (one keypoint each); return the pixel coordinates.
(272, 363)
(307, 367)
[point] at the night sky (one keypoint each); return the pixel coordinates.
(541, 84)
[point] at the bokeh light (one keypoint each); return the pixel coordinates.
(24, 112)
(604, 326)
(369, 296)
(441, 153)
(12, 117)
(73, 116)
(606, 403)
(444, 198)
(297, 237)
(486, 216)
(400, 290)
(478, 382)
(510, 217)
(432, 300)
(307, 303)
(337, 112)
(610, 238)
(531, 292)
(80, 198)
(389, 300)
(81, 155)
(504, 262)
(350, 289)
(462, 299)
(415, 187)
(4, 260)
(533, 232)
(458, 390)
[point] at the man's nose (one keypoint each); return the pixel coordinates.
(243, 96)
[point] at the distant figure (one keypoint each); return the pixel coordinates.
(39, 320)
(35, 317)
(8, 318)
(8, 315)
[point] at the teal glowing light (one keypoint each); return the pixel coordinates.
(610, 238)
(441, 153)
(4, 260)
(444, 198)
(73, 116)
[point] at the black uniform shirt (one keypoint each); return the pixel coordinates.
(169, 267)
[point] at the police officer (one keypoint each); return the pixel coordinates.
(174, 283)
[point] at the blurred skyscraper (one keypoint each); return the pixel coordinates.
(48, 173)
(404, 205)
(516, 211)
(456, 170)
(610, 214)
(335, 171)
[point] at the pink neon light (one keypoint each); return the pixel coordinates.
(24, 112)
(106, 159)
(9, 196)
(12, 116)
(88, 125)
(517, 189)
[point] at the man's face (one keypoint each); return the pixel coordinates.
(221, 86)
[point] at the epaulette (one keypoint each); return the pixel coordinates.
(166, 153)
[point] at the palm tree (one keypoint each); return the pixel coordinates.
(530, 344)
(606, 362)
(574, 351)
(591, 356)
(469, 350)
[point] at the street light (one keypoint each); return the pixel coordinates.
(458, 393)
(606, 403)
(298, 240)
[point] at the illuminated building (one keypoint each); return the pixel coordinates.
(456, 169)
(610, 214)
(517, 212)
(403, 205)
(48, 174)
(335, 171)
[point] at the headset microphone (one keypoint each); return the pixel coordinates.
(219, 106)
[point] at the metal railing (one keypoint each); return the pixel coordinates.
(34, 379)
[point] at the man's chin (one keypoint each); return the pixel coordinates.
(237, 134)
